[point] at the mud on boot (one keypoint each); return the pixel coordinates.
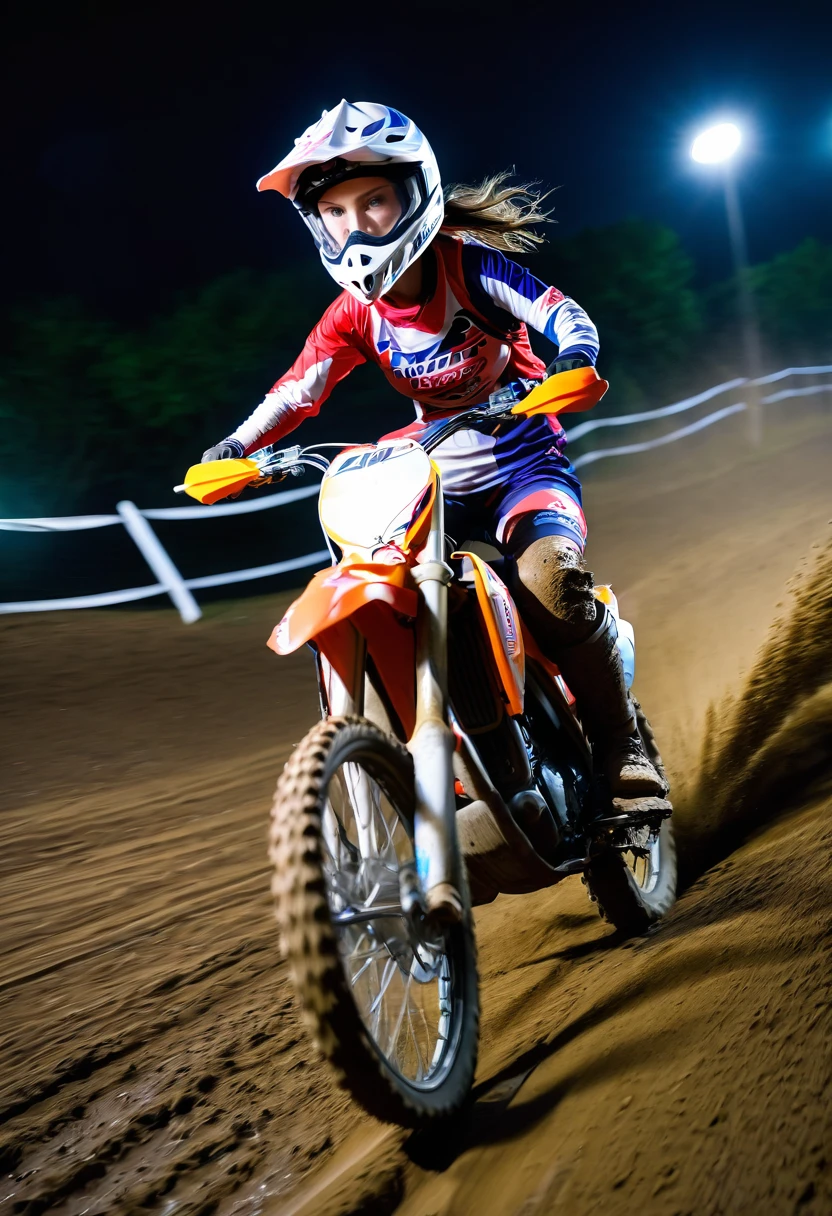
(628, 769)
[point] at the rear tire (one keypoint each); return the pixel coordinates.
(420, 995)
(634, 890)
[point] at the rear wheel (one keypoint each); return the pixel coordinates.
(391, 1003)
(635, 888)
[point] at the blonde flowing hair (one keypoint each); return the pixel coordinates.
(497, 214)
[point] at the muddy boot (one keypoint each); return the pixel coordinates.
(629, 770)
(595, 675)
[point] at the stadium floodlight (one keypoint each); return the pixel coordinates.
(717, 144)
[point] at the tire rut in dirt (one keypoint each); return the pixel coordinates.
(187, 1112)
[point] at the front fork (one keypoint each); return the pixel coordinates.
(432, 744)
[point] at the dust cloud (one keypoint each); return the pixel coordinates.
(768, 748)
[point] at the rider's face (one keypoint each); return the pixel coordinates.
(366, 204)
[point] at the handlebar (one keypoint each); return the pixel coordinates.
(292, 460)
(577, 388)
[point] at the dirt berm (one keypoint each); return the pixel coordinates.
(151, 1059)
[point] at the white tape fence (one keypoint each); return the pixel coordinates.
(170, 581)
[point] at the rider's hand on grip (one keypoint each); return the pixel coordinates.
(567, 365)
(229, 449)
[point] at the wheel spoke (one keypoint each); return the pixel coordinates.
(394, 1034)
(355, 956)
(390, 969)
(355, 978)
(355, 916)
(389, 848)
(415, 1041)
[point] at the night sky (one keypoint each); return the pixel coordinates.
(135, 134)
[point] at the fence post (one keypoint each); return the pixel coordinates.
(157, 558)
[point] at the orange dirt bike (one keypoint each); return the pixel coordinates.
(449, 767)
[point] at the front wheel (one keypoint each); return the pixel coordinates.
(391, 1003)
(635, 888)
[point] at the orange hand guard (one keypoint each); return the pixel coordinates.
(217, 479)
(566, 392)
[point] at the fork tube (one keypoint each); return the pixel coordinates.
(346, 698)
(432, 744)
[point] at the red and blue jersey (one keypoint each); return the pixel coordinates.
(446, 354)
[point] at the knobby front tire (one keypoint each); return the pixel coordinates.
(392, 1005)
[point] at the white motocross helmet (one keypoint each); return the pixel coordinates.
(364, 139)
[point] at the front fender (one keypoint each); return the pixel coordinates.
(376, 600)
(337, 593)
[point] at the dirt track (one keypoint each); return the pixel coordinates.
(150, 1057)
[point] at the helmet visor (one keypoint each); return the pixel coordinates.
(411, 195)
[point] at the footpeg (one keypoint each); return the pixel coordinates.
(633, 812)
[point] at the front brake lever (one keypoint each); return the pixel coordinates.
(288, 457)
(282, 463)
(503, 399)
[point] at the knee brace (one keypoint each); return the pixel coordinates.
(554, 592)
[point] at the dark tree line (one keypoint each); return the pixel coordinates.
(91, 411)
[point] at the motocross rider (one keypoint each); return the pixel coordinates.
(429, 295)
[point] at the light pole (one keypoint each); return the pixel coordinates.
(717, 145)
